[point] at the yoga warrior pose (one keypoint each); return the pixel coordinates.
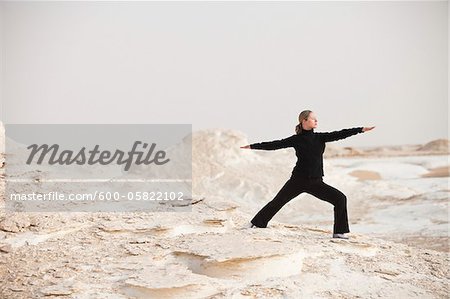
(308, 171)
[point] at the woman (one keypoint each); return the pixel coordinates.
(308, 171)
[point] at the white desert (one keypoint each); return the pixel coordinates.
(398, 248)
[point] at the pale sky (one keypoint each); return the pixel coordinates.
(247, 66)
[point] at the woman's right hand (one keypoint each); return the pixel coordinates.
(245, 146)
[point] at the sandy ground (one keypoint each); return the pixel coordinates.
(398, 246)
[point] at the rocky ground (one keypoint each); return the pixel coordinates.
(209, 253)
(205, 253)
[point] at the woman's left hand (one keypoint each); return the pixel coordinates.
(365, 129)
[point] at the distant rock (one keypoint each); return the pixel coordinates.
(439, 145)
(335, 151)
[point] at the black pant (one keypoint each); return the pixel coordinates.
(314, 186)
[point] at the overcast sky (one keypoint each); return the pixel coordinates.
(250, 66)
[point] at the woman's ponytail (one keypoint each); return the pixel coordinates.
(303, 115)
(298, 129)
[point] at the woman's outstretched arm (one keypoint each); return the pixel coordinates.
(337, 135)
(272, 145)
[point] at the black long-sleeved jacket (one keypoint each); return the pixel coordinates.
(309, 147)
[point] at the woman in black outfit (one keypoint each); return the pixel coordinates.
(308, 171)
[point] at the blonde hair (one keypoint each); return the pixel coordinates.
(303, 115)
